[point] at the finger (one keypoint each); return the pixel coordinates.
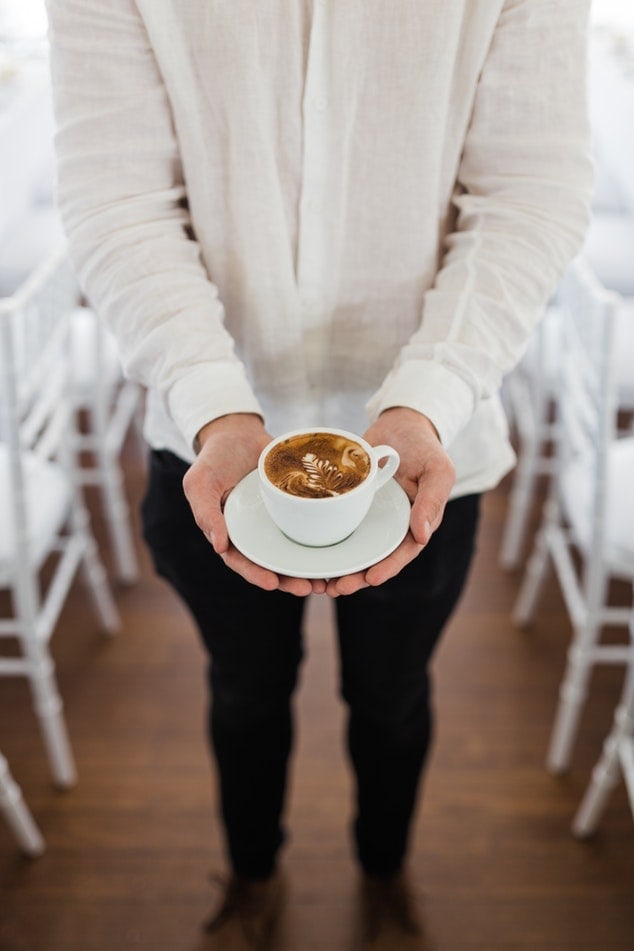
(300, 587)
(262, 577)
(254, 574)
(378, 573)
(429, 504)
(347, 584)
(205, 501)
(423, 519)
(389, 567)
(217, 535)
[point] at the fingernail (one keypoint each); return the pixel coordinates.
(212, 538)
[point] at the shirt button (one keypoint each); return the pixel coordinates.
(320, 103)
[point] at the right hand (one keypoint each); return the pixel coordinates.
(229, 449)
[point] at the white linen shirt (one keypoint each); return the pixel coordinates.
(316, 211)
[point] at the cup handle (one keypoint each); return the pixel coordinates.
(385, 473)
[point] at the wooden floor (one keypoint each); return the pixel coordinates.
(131, 847)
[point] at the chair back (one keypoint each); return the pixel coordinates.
(586, 405)
(42, 511)
(35, 408)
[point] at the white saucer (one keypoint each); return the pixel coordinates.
(256, 536)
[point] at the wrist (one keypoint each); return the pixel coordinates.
(228, 423)
(411, 416)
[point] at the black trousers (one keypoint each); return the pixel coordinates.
(386, 638)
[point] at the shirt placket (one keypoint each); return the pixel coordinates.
(313, 242)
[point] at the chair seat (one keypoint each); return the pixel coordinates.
(48, 497)
(619, 521)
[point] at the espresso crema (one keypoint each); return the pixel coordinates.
(317, 465)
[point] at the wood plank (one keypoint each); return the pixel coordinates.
(130, 849)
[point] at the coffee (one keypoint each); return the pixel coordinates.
(317, 465)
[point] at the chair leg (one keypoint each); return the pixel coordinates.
(110, 420)
(604, 778)
(586, 607)
(93, 571)
(572, 697)
(97, 582)
(520, 505)
(17, 813)
(536, 573)
(48, 707)
(606, 772)
(117, 517)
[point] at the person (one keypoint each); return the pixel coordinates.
(303, 213)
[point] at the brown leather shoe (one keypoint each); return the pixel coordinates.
(390, 914)
(246, 913)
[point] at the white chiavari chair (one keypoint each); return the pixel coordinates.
(17, 814)
(109, 406)
(42, 513)
(587, 529)
(530, 394)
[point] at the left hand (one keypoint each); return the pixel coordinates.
(230, 446)
(427, 475)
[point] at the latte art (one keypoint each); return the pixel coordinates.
(319, 478)
(317, 465)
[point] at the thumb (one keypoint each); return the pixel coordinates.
(422, 519)
(216, 531)
(429, 504)
(205, 500)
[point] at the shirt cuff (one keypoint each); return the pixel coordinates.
(207, 392)
(431, 389)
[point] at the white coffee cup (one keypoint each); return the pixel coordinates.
(318, 522)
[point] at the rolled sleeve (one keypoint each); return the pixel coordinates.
(522, 202)
(433, 390)
(124, 203)
(223, 387)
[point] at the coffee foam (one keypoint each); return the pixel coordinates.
(317, 465)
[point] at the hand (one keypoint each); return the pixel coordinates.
(230, 448)
(427, 475)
